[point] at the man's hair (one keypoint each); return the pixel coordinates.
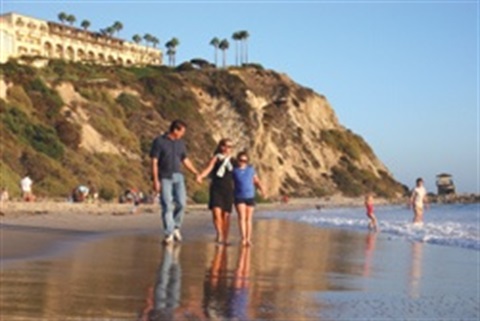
(177, 124)
(419, 180)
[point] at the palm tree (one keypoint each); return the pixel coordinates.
(155, 41)
(171, 56)
(223, 47)
(71, 19)
(244, 37)
(137, 38)
(236, 37)
(109, 31)
(117, 26)
(148, 38)
(172, 48)
(215, 42)
(62, 16)
(85, 24)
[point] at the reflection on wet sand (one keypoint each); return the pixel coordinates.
(99, 279)
(135, 278)
(370, 241)
(226, 293)
(215, 284)
(415, 270)
(165, 296)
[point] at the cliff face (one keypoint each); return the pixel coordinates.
(95, 123)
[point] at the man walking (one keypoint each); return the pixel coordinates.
(418, 200)
(167, 154)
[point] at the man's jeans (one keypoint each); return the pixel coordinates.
(173, 197)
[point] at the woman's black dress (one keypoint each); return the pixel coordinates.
(221, 189)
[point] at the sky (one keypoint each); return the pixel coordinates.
(404, 75)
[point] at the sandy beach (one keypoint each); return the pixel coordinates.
(62, 261)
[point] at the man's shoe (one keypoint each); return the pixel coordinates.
(176, 235)
(168, 239)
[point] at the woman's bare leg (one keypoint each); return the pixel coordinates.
(218, 223)
(242, 223)
(225, 225)
(249, 221)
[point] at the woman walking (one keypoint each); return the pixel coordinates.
(245, 181)
(220, 168)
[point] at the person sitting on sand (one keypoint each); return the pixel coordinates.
(245, 181)
(418, 200)
(4, 197)
(372, 224)
(93, 193)
(80, 193)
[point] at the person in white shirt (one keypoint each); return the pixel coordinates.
(26, 184)
(418, 200)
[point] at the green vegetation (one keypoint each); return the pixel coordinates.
(353, 181)
(347, 143)
(201, 196)
(42, 138)
(129, 107)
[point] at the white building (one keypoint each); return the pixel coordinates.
(22, 36)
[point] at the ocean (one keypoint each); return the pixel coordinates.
(455, 225)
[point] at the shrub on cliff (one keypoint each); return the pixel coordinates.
(40, 137)
(69, 133)
(45, 100)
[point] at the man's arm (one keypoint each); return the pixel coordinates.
(156, 182)
(188, 164)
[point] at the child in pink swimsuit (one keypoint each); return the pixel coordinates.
(372, 225)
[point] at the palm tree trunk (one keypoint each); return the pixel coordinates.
(236, 52)
(216, 56)
(242, 53)
(224, 58)
(246, 51)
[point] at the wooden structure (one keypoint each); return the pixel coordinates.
(445, 184)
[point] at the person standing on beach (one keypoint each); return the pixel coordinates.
(372, 225)
(220, 168)
(167, 153)
(418, 200)
(245, 181)
(26, 185)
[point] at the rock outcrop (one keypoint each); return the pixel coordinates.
(291, 133)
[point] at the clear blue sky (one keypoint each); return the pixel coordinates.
(402, 74)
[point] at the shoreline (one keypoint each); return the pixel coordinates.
(29, 230)
(37, 229)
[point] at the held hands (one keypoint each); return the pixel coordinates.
(156, 186)
(199, 179)
(263, 194)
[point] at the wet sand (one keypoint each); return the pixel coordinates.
(110, 265)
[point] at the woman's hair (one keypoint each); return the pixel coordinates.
(221, 143)
(242, 153)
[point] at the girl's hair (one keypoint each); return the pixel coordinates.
(221, 143)
(242, 153)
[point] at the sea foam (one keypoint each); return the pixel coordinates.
(448, 225)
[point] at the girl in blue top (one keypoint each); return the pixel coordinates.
(245, 181)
